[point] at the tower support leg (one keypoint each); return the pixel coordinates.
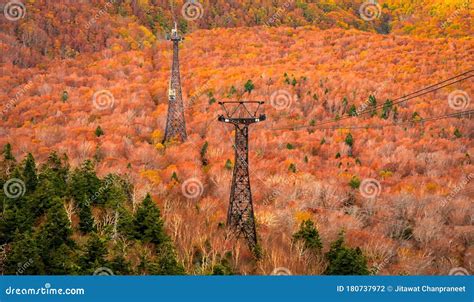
(240, 216)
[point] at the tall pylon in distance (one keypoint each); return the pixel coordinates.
(240, 216)
(175, 123)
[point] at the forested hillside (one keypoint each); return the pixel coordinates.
(88, 100)
(48, 228)
(47, 30)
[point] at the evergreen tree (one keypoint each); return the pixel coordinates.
(387, 107)
(294, 82)
(211, 97)
(24, 257)
(309, 235)
(292, 168)
(113, 192)
(99, 132)
(7, 152)
(95, 254)
(232, 91)
(287, 79)
(148, 222)
(9, 161)
(223, 267)
(29, 174)
(416, 117)
(352, 110)
(56, 171)
(8, 224)
(125, 225)
(54, 240)
(61, 261)
(354, 183)
(457, 133)
(57, 228)
(120, 266)
(41, 200)
(86, 221)
(344, 260)
(174, 177)
(64, 96)
(350, 142)
(85, 185)
(204, 149)
(249, 86)
(144, 265)
(228, 164)
(166, 262)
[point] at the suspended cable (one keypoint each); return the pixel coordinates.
(431, 88)
(411, 123)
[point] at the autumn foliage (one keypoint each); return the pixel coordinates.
(51, 75)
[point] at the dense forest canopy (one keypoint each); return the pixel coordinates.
(47, 30)
(88, 186)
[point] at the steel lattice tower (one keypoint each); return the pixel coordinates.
(240, 216)
(175, 123)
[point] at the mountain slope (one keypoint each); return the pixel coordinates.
(296, 175)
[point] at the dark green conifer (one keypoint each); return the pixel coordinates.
(24, 256)
(309, 236)
(148, 222)
(94, 255)
(166, 262)
(99, 132)
(344, 260)
(29, 174)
